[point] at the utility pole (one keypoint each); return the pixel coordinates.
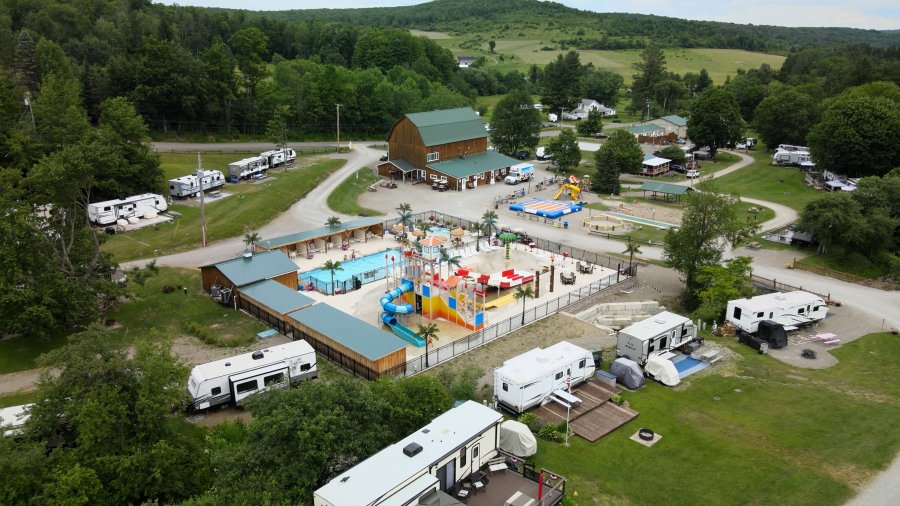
(338, 127)
(202, 216)
(284, 142)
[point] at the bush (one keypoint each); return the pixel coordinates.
(202, 333)
(616, 399)
(531, 420)
(553, 432)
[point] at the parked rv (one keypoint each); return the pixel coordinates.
(553, 117)
(232, 380)
(520, 173)
(530, 378)
(278, 157)
(540, 153)
(790, 309)
(138, 206)
(782, 157)
(13, 418)
(791, 147)
(189, 186)
(247, 168)
(657, 334)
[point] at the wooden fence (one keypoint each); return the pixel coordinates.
(843, 276)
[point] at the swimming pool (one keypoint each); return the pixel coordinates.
(368, 268)
(687, 365)
(440, 231)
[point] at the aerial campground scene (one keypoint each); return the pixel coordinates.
(408, 252)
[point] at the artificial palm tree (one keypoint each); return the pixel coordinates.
(428, 332)
(405, 212)
(333, 222)
(250, 239)
(507, 238)
(426, 227)
(332, 267)
(451, 261)
(477, 229)
(489, 221)
(523, 293)
(632, 248)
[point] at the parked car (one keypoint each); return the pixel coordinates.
(600, 135)
(384, 157)
(439, 186)
(540, 153)
(680, 141)
(523, 154)
(679, 168)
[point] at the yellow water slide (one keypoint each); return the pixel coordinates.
(574, 191)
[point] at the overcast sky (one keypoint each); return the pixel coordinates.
(877, 14)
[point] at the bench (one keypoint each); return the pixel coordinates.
(566, 397)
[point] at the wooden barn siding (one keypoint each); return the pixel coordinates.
(289, 279)
(405, 143)
(211, 275)
(388, 362)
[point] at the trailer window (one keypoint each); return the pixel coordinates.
(817, 308)
(737, 313)
(247, 387)
(800, 311)
(273, 379)
(216, 390)
(662, 342)
(760, 314)
(770, 315)
(559, 375)
(581, 364)
(305, 367)
(505, 387)
(462, 457)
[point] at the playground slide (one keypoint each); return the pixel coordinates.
(391, 310)
(574, 191)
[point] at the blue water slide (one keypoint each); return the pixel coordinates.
(391, 309)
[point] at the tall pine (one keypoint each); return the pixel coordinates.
(607, 181)
(26, 62)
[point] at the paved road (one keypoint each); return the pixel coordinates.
(884, 490)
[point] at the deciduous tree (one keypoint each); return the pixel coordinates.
(715, 120)
(516, 124)
(718, 284)
(784, 117)
(564, 150)
(626, 151)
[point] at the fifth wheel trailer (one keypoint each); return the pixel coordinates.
(655, 335)
(107, 212)
(528, 379)
(791, 309)
(247, 168)
(278, 157)
(232, 380)
(188, 186)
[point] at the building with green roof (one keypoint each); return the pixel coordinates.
(308, 242)
(447, 149)
(270, 301)
(355, 345)
(250, 268)
(672, 124)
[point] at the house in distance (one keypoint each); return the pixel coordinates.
(449, 146)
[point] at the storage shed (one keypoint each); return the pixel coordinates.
(357, 346)
(249, 269)
(271, 301)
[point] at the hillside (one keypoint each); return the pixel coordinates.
(585, 29)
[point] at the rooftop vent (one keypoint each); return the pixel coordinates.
(412, 449)
(426, 431)
(257, 355)
(227, 364)
(344, 479)
(659, 320)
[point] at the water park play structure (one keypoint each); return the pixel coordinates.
(603, 222)
(546, 208)
(573, 191)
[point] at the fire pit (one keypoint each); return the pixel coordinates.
(646, 434)
(808, 353)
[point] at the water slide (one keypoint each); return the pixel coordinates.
(392, 309)
(574, 191)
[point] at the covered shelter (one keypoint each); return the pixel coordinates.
(397, 169)
(322, 239)
(354, 345)
(249, 269)
(654, 166)
(664, 189)
(270, 302)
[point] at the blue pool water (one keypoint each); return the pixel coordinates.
(688, 365)
(441, 231)
(368, 269)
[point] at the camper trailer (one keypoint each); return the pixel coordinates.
(107, 212)
(247, 168)
(790, 309)
(278, 157)
(13, 418)
(790, 157)
(791, 147)
(189, 186)
(657, 334)
(232, 380)
(530, 378)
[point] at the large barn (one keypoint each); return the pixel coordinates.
(448, 146)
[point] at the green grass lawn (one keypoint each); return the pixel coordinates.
(181, 164)
(253, 205)
(18, 398)
(782, 185)
(149, 314)
(854, 263)
(344, 198)
(767, 434)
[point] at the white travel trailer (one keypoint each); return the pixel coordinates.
(189, 186)
(435, 458)
(790, 157)
(247, 168)
(232, 380)
(278, 157)
(106, 213)
(791, 147)
(653, 336)
(790, 309)
(13, 418)
(530, 378)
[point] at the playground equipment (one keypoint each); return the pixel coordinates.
(602, 222)
(391, 310)
(546, 208)
(574, 191)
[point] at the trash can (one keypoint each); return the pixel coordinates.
(565, 224)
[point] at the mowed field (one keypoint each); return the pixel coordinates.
(519, 54)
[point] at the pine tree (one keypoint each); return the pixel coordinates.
(607, 181)
(26, 62)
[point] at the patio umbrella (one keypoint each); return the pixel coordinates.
(418, 233)
(457, 234)
(398, 228)
(508, 237)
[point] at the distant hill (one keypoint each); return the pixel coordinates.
(586, 29)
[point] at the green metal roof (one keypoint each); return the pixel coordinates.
(448, 125)
(348, 330)
(642, 129)
(473, 164)
(669, 188)
(308, 235)
(403, 165)
(675, 120)
(274, 295)
(245, 270)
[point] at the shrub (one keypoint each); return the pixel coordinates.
(553, 432)
(616, 399)
(531, 420)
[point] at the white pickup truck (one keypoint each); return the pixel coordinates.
(520, 173)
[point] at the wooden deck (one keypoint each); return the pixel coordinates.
(595, 417)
